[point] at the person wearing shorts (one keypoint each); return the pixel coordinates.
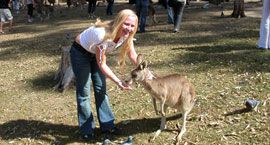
(5, 14)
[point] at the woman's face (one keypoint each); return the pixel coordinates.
(128, 26)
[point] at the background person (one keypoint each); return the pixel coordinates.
(92, 4)
(16, 6)
(88, 59)
(264, 40)
(5, 13)
(30, 9)
(109, 10)
(142, 12)
(178, 7)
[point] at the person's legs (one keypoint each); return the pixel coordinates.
(175, 13)
(138, 9)
(68, 3)
(143, 14)
(89, 7)
(82, 70)
(2, 19)
(264, 28)
(30, 12)
(138, 5)
(109, 10)
(6, 13)
(94, 5)
(1, 27)
(92, 8)
(104, 112)
(16, 6)
(178, 15)
(10, 24)
(170, 15)
(268, 28)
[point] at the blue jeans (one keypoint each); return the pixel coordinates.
(142, 12)
(86, 70)
(16, 5)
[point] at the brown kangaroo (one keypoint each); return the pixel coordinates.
(172, 90)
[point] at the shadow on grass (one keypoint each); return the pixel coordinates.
(238, 111)
(241, 58)
(64, 134)
(44, 81)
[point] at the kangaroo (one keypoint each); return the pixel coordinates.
(172, 91)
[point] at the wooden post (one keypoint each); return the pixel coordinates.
(64, 75)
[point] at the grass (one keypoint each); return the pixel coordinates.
(218, 55)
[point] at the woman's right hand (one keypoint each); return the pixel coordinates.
(123, 85)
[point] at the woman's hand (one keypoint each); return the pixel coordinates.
(123, 85)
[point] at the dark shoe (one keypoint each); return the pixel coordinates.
(87, 137)
(175, 31)
(113, 131)
(261, 48)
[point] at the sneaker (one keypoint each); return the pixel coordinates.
(262, 48)
(92, 16)
(87, 137)
(113, 131)
(30, 20)
(175, 31)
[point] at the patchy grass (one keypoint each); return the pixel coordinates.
(218, 55)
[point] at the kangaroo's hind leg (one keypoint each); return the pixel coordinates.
(154, 100)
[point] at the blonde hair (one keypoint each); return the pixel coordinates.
(113, 27)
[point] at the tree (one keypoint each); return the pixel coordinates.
(238, 9)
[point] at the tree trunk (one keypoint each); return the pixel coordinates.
(64, 75)
(238, 9)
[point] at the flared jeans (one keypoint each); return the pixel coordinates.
(86, 70)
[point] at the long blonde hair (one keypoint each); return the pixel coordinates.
(113, 27)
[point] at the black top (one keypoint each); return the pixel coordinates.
(4, 4)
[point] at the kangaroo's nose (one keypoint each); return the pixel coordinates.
(133, 75)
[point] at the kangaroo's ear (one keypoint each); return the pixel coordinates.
(144, 64)
(139, 59)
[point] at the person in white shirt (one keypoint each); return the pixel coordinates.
(264, 40)
(88, 59)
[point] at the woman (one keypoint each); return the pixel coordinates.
(264, 40)
(88, 59)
